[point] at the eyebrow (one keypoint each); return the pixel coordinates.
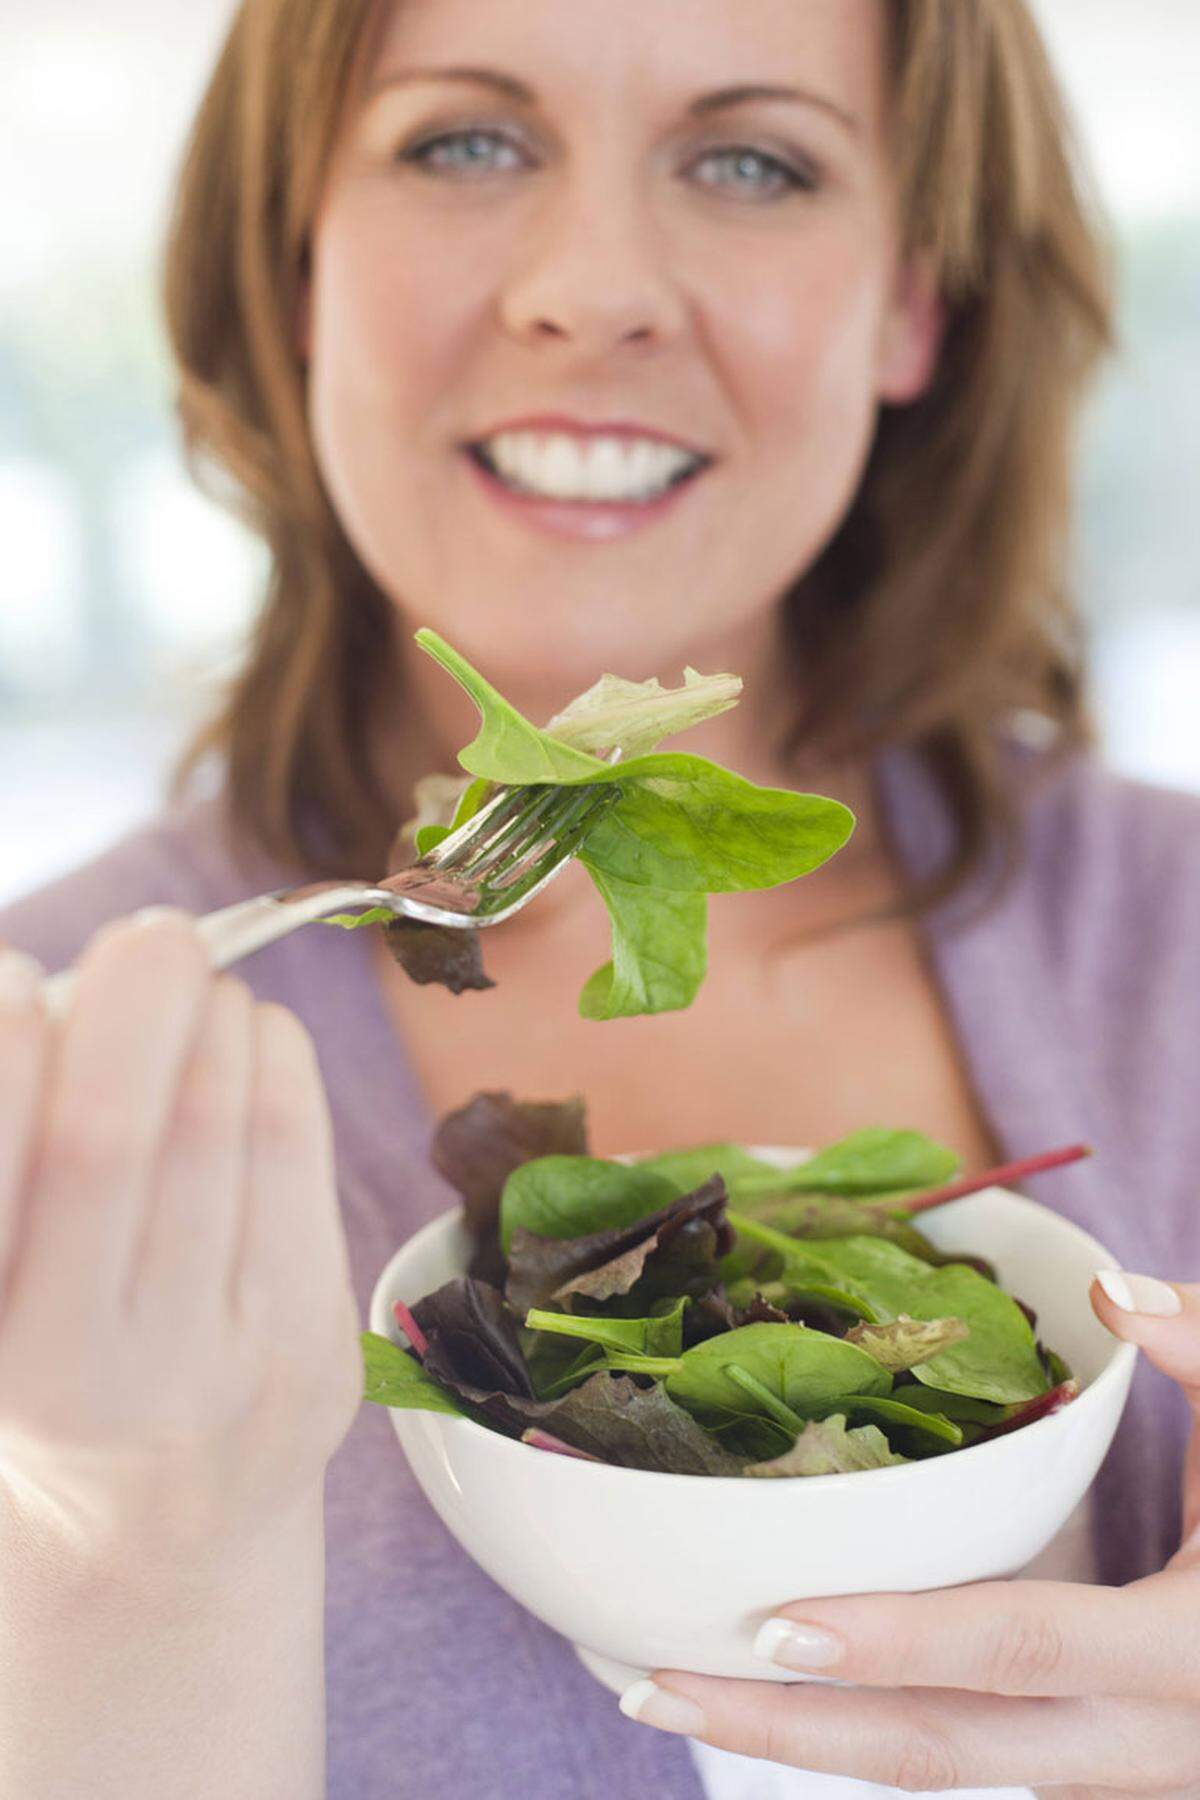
(717, 101)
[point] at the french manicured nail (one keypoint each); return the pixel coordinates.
(652, 1705)
(21, 978)
(150, 915)
(137, 921)
(797, 1646)
(1139, 1293)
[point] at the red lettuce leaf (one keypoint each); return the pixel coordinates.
(446, 954)
(477, 1147)
(474, 1345)
(676, 1249)
(712, 1313)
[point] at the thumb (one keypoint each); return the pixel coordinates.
(1163, 1319)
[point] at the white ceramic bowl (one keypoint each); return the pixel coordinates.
(643, 1570)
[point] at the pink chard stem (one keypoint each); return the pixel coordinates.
(410, 1328)
(1052, 1401)
(544, 1440)
(999, 1177)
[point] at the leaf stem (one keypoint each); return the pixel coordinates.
(545, 1440)
(410, 1328)
(764, 1234)
(771, 1403)
(658, 1366)
(562, 1324)
(997, 1177)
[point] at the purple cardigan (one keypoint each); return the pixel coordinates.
(1077, 1007)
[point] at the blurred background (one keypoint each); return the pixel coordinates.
(124, 593)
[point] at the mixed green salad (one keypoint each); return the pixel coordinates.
(682, 828)
(702, 1312)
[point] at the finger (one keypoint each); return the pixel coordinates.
(118, 1056)
(1092, 1792)
(932, 1739)
(293, 1246)
(194, 1215)
(1006, 1637)
(24, 1046)
(925, 1740)
(1163, 1319)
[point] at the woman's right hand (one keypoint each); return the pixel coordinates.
(179, 1337)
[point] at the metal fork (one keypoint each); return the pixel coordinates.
(500, 858)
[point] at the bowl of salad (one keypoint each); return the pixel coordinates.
(654, 1397)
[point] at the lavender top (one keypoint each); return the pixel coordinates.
(1076, 1006)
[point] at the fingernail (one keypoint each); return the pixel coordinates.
(1139, 1293)
(652, 1705)
(797, 1646)
(150, 915)
(21, 978)
(126, 922)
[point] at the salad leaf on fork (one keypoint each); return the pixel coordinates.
(683, 827)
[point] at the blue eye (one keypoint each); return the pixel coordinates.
(474, 144)
(744, 160)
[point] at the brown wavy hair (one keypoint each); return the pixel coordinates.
(939, 610)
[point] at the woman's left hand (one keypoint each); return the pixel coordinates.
(1083, 1691)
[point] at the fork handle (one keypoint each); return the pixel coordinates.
(235, 931)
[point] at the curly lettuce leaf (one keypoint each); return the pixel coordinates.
(639, 714)
(826, 1447)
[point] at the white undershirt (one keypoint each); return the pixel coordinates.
(724, 1776)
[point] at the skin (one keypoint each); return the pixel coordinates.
(609, 262)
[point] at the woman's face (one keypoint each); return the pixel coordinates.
(613, 247)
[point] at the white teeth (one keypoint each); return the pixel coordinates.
(565, 467)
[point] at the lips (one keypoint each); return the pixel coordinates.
(583, 521)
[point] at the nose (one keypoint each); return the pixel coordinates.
(596, 272)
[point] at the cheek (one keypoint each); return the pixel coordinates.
(388, 329)
(809, 344)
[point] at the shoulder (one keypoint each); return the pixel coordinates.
(1119, 855)
(1090, 811)
(185, 855)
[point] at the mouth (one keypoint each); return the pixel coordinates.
(585, 496)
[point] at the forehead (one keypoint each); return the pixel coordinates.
(641, 53)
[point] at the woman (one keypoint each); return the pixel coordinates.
(870, 305)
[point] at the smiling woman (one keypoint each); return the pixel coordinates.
(744, 335)
(822, 286)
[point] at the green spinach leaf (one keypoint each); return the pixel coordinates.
(922, 1428)
(392, 1377)
(799, 1367)
(574, 1196)
(659, 945)
(688, 824)
(873, 1161)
